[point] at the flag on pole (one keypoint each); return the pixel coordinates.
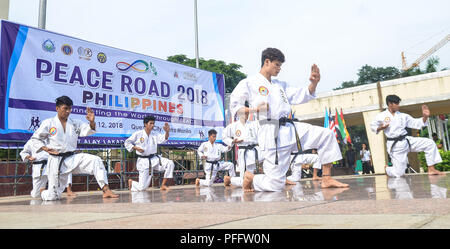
(326, 121)
(341, 127)
(345, 127)
(332, 124)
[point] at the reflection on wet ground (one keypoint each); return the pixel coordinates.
(375, 187)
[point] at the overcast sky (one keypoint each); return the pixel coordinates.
(339, 36)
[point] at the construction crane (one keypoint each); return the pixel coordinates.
(425, 55)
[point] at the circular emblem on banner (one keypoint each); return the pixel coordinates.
(101, 57)
(67, 49)
(238, 133)
(141, 140)
(48, 46)
(52, 131)
(263, 90)
(84, 53)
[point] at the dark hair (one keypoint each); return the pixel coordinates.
(212, 132)
(434, 134)
(393, 99)
(272, 54)
(64, 100)
(149, 118)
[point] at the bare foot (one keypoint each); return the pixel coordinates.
(328, 182)
(226, 181)
(130, 183)
(290, 182)
(433, 171)
(107, 193)
(197, 182)
(71, 193)
(247, 184)
(164, 187)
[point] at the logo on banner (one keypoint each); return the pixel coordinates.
(52, 131)
(85, 53)
(48, 46)
(101, 57)
(35, 123)
(263, 90)
(67, 49)
(138, 65)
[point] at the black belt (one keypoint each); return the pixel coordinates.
(281, 122)
(149, 157)
(43, 162)
(64, 155)
(295, 154)
(247, 148)
(396, 139)
(212, 166)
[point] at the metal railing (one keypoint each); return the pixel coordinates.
(15, 175)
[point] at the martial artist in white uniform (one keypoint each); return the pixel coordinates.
(62, 143)
(39, 168)
(212, 152)
(244, 134)
(146, 145)
(299, 160)
(394, 124)
(271, 101)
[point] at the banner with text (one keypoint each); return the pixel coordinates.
(122, 87)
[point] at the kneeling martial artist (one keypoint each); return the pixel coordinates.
(146, 144)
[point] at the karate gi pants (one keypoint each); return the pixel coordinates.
(251, 166)
(39, 181)
(399, 154)
(145, 177)
(296, 167)
(81, 163)
(311, 137)
(211, 177)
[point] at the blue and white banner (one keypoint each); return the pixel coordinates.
(37, 66)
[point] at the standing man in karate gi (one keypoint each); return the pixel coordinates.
(212, 151)
(270, 100)
(394, 124)
(145, 143)
(62, 134)
(244, 134)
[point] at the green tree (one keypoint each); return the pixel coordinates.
(230, 71)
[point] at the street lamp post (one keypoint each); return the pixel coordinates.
(196, 34)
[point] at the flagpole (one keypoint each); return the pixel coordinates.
(42, 13)
(196, 34)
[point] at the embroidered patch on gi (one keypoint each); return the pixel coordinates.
(206, 149)
(263, 90)
(387, 120)
(52, 131)
(141, 140)
(238, 133)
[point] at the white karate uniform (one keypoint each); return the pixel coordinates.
(296, 166)
(280, 96)
(39, 177)
(399, 154)
(149, 143)
(66, 141)
(248, 132)
(213, 153)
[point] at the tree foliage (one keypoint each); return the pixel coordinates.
(230, 71)
(368, 74)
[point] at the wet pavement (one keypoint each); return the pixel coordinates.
(373, 201)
